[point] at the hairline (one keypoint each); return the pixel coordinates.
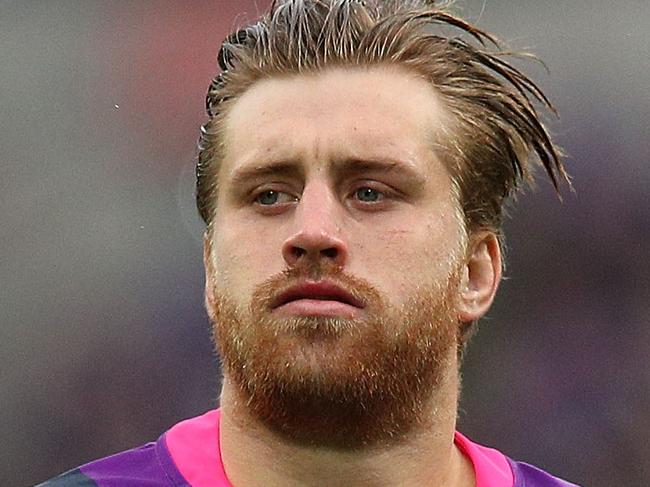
(437, 137)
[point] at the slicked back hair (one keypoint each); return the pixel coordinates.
(496, 137)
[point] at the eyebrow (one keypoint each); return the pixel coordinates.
(263, 170)
(353, 166)
(340, 168)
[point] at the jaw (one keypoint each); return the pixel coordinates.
(338, 383)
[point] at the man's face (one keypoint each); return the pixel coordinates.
(337, 245)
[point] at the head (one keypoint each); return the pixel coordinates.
(353, 145)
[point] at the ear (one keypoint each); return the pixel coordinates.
(209, 275)
(481, 277)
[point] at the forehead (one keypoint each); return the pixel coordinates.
(364, 113)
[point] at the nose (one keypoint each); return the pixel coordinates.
(317, 231)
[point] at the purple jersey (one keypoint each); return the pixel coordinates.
(189, 455)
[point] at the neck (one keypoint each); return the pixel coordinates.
(424, 457)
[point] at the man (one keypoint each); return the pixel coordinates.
(352, 177)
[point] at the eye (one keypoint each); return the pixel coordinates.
(368, 195)
(271, 197)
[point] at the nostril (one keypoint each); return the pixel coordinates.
(298, 252)
(331, 252)
(313, 247)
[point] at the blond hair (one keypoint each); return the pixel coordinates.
(496, 135)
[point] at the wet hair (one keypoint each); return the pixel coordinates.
(496, 136)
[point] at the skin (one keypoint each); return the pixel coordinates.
(398, 229)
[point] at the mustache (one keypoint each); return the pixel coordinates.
(268, 291)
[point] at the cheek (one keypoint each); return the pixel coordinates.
(244, 256)
(403, 258)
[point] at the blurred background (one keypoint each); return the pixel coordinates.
(104, 342)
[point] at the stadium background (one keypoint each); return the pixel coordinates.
(103, 339)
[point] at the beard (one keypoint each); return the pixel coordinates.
(339, 382)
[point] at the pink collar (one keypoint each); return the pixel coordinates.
(491, 467)
(194, 448)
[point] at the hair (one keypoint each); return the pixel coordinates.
(496, 137)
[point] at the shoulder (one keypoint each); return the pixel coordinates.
(146, 466)
(526, 475)
(493, 468)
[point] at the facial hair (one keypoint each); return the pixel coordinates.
(335, 382)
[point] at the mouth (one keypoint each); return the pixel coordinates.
(317, 298)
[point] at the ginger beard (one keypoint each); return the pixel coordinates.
(330, 381)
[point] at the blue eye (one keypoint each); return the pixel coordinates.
(271, 197)
(267, 198)
(368, 195)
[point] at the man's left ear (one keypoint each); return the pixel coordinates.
(480, 278)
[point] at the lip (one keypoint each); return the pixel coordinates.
(317, 298)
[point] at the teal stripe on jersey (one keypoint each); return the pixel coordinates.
(73, 478)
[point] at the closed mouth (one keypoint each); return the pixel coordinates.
(317, 290)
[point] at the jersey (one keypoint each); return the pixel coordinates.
(189, 455)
